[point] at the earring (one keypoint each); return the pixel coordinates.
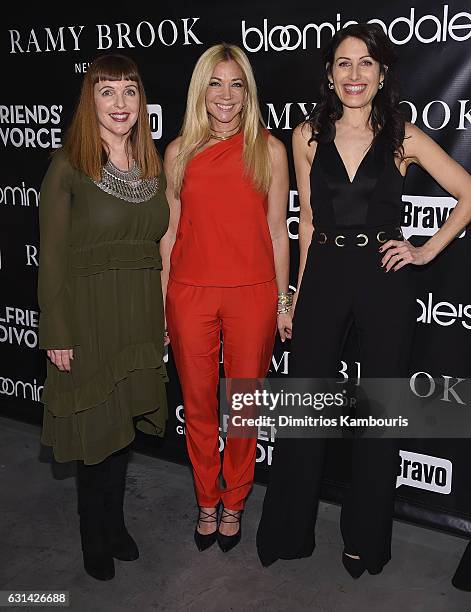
(331, 85)
(381, 85)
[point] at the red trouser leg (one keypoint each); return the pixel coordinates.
(195, 316)
(194, 329)
(248, 325)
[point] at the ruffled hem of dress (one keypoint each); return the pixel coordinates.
(116, 255)
(102, 384)
(70, 442)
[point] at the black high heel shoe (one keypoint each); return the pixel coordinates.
(353, 566)
(226, 542)
(205, 540)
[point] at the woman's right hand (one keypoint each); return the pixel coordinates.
(61, 358)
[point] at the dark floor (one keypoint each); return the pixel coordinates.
(39, 549)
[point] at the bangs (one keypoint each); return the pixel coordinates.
(114, 68)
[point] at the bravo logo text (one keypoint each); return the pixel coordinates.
(424, 215)
(155, 120)
(425, 472)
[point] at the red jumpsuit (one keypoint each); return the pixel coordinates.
(222, 282)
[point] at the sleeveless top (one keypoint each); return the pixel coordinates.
(373, 198)
(223, 239)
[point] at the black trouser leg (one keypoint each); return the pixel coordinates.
(121, 544)
(323, 316)
(385, 322)
(368, 504)
(97, 558)
(287, 524)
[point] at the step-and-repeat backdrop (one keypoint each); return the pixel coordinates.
(44, 59)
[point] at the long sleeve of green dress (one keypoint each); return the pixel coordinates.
(55, 327)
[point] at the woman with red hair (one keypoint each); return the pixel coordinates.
(103, 210)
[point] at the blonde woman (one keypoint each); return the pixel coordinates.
(226, 258)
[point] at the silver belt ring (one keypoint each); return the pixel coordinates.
(325, 238)
(336, 240)
(379, 239)
(365, 240)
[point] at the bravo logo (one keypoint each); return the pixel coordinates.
(155, 120)
(425, 472)
(424, 215)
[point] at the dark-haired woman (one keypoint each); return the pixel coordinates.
(351, 158)
(103, 210)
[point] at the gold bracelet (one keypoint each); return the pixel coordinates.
(285, 298)
(284, 309)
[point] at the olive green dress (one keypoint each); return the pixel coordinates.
(100, 294)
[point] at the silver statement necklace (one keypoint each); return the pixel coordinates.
(127, 184)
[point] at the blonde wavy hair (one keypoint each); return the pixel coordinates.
(195, 131)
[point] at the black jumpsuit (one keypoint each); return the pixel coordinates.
(342, 285)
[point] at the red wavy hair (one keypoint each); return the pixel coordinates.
(84, 146)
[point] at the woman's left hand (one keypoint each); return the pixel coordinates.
(399, 253)
(285, 325)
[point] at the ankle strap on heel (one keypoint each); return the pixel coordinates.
(233, 514)
(207, 517)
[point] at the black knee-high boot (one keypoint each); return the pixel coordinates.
(97, 559)
(122, 545)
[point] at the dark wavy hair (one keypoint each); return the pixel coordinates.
(385, 118)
